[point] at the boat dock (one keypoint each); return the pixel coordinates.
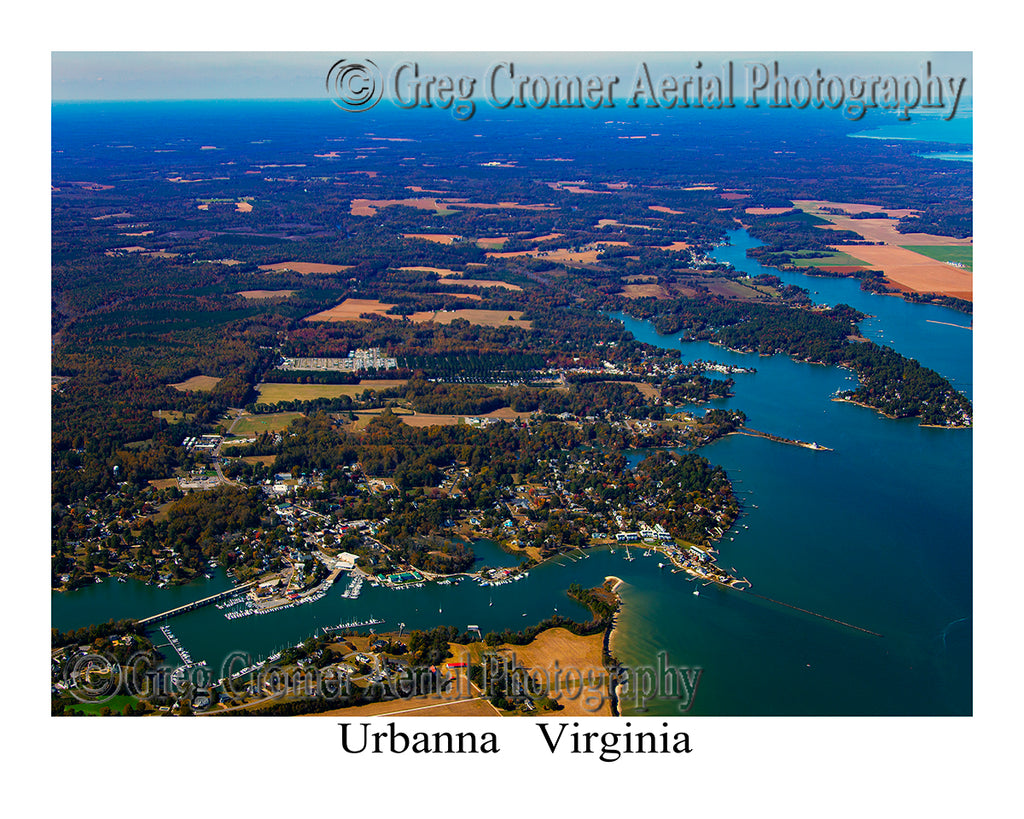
(353, 624)
(175, 643)
(198, 604)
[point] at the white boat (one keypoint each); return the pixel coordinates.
(696, 592)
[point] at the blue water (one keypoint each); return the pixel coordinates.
(876, 533)
(955, 156)
(925, 128)
(919, 331)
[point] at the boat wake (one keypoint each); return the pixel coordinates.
(945, 631)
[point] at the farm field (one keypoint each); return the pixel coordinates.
(364, 417)
(351, 310)
(645, 291)
(425, 419)
(265, 294)
(451, 278)
(733, 289)
(197, 383)
(273, 393)
(485, 318)
(561, 254)
(440, 238)
(266, 460)
(369, 207)
(559, 648)
(875, 230)
(306, 268)
(443, 272)
(836, 259)
(915, 271)
(478, 283)
(963, 255)
(249, 425)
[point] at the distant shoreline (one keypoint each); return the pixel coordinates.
(897, 417)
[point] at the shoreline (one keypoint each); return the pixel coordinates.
(609, 641)
(841, 400)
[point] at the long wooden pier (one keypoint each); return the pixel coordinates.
(198, 604)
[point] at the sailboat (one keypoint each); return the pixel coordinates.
(490, 602)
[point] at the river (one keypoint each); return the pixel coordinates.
(876, 533)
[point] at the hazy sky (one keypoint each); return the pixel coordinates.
(246, 75)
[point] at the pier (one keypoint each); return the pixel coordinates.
(354, 624)
(182, 652)
(198, 604)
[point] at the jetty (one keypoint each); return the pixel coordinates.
(816, 614)
(753, 433)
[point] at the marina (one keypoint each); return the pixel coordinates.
(352, 624)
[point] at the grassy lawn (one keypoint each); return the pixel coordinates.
(272, 393)
(763, 289)
(837, 259)
(251, 425)
(116, 705)
(958, 254)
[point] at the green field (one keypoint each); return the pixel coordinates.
(250, 425)
(272, 393)
(958, 254)
(758, 289)
(116, 705)
(836, 259)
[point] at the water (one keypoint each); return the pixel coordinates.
(876, 533)
(919, 331)
(924, 128)
(951, 156)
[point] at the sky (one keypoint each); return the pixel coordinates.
(156, 75)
